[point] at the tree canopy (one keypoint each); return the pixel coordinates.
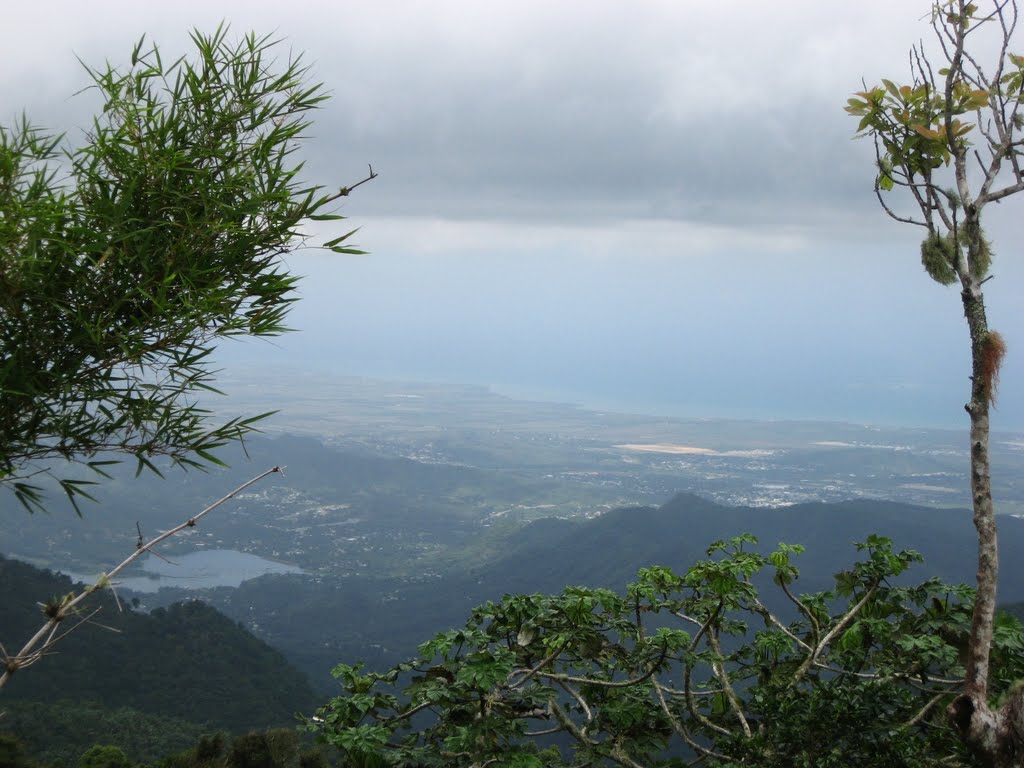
(124, 260)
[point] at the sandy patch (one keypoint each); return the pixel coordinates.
(932, 488)
(664, 448)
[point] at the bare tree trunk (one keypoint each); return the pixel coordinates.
(995, 736)
(970, 712)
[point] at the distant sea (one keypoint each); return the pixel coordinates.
(746, 394)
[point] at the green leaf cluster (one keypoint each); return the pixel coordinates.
(910, 123)
(918, 126)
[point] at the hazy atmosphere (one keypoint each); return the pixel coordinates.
(624, 422)
(656, 206)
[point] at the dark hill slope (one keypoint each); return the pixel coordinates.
(608, 550)
(185, 661)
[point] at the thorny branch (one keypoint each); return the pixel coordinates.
(346, 191)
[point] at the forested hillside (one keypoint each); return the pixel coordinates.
(61, 731)
(172, 673)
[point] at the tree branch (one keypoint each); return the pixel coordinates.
(999, 194)
(563, 678)
(831, 634)
(527, 674)
(681, 729)
(346, 191)
(723, 677)
(762, 610)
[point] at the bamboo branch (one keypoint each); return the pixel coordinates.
(46, 637)
(346, 191)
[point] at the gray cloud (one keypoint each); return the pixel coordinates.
(725, 114)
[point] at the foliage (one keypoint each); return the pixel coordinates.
(310, 619)
(124, 261)
(694, 663)
(13, 754)
(59, 731)
(104, 756)
(277, 748)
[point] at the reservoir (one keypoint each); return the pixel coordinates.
(196, 570)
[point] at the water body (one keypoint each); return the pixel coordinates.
(197, 570)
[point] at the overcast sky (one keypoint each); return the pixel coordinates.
(654, 205)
